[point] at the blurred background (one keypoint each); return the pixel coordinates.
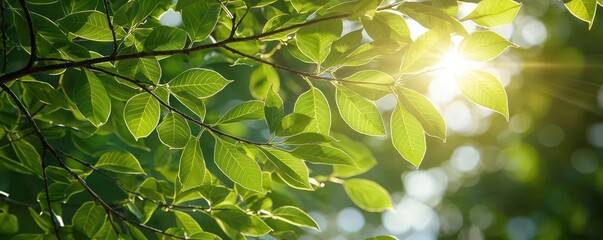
(537, 176)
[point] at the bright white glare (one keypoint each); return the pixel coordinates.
(533, 32)
(585, 160)
(425, 185)
(459, 118)
(595, 135)
(387, 103)
(171, 18)
(350, 220)
(415, 28)
(443, 89)
(411, 215)
(465, 158)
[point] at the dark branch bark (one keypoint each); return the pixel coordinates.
(107, 9)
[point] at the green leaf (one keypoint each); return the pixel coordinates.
(388, 27)
(423, 110)
(358, 112)
(119, 162)
(451, 7)
(133, 12)
(370, 91)
(188, 223)
(295, 216)
(106, 232)
(200, 18)
(91, 25)
(194, 104)
(315, 40)
(261, 79)
(273, 110)
(431, 17)
(89, 218)
(492, 13)
(322, 154)
(283, 21)
(308, 138)
(342, 48)
(174, 131)
(191, 171)
(141, 69)
(234, 221)
(313, 103)
(407, 136)
(200, 83)
(47, 94)
(237, 166)
(10, 224)
(358, 151)
(165, 38)
(364, 9)
(303, 6)
(584, 10)
(368, 195)
(292, 124)
(426, 51)
(42, 219)
(290, 168)
(141, 114)
(90, 97)
(483, 46)
(484, 89)
(382, 237)
(249, 110)
(29, 156)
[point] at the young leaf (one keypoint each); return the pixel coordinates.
(133, 12)
(431, 17)
(584, 10)
(304, 6)
(368, 195)
(165, 38)
(249, 110)
(237, 166)
(295, 216)
(358, 112)
(423, 110)
(174, 131)
(141, 114)
(407, 136)
(388, 27)
(492, 13)
(200, 18)
(141, 69)
(89, 218)
(483, 46)
(191, 171)
(290, 168)
(426, 51)
(47, 94)
(188, 223)
(106, 232)
(91, 25)
(283, 21)
(308, 138)
(362, 155)
(292, 124)
(234, 222)
(119, 162)
(370, 91)
(484, 89)
(322, 154)
(200, 83)
(91, 98)
(194, 104)
(313, 103)
(315, 40)
(261, 79)
(273, 110)
(29, 156)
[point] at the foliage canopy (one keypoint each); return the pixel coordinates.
(89, 89)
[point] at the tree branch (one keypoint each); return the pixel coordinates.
(301, 73)
(45, 146)
(169, 107)
(107, 8)
(32, 35)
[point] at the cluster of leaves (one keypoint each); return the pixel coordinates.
(92, 70)
(584, 10)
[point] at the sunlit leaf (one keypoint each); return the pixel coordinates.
(89, 218)
(483, 46)
(323, 154)
(388, 27)
(187, 222)
(28, 156)
(359, 113)
(165, 38)
(200, 83)
(492, 13)
(426, 51)
(237, 166)
(174, 131)
(91, 25)
(295, 216)
(407, 136)
(424, 111)
(368, 195)
(249, 110)
(290, 168)
(191, 170)
(119, 162)
(141, 114)
(234, 222)
(484, 89)
(200, 18)
(292, 124)
(273, 110)
(315, 40)
(313, 103)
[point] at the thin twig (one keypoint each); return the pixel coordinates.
(32, 35)
(169, 107)
(45, 146)
(301, 73)
(107, 8)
